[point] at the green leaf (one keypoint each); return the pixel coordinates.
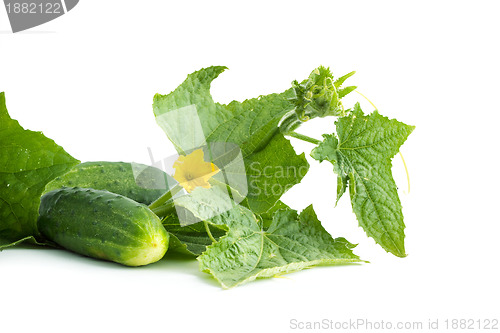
(191, 119)
(341, 187)
(28, 161)
(361, 156)
(278, 242)
(249, 124)
(271, 172)
(345, 91)
(267, 217)
(291, 243)
(340, 81)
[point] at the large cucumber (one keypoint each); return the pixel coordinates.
(139, 182)
(102, 225)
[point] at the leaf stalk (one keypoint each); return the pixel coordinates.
(304, 138)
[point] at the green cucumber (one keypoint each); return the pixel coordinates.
(147, 185)
(102, 225)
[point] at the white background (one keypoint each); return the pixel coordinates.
(87, 81)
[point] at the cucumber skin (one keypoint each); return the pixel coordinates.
(116, 177)
(102, 225)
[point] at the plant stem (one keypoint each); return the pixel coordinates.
(166, 197)
(164, 209)
(304, 138)
(207, 228)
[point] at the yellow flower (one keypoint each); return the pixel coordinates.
(192, 171)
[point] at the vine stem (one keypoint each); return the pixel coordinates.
(209, 233)
(164, 209)
(303, 138)
(166, 197)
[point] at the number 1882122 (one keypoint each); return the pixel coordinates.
(34, 8)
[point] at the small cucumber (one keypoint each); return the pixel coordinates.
(102, 225)
(145, 185)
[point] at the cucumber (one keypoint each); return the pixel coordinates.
(146, 186)
(102, 225)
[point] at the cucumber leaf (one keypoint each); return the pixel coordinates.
(279, 242)
(250, 124)
(267, 217)
(361, 157)
(271, 172)
(291, 243)
(28, 161)
(191, 119)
